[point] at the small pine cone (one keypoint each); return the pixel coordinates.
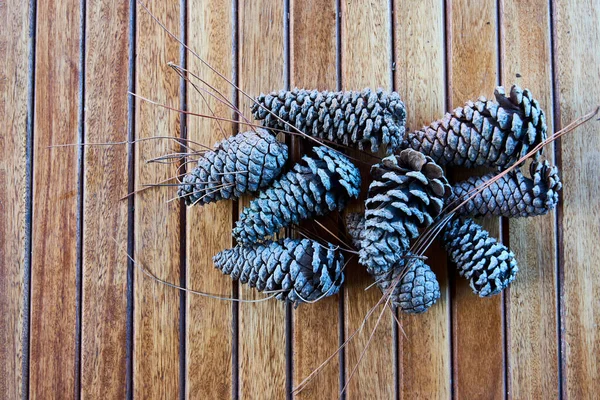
(513, 195)
(418, 288)
(352, 118)
(246, 162)
(407, 193)
(488, 265)
(315, 186)
(355, 225)
(300, 270)
(485, 132)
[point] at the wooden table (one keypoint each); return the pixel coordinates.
(76, 319)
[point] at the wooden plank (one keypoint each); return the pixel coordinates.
(262, 337)
(157, 223)
(578, 75)
(209, 328)
(532, 346)
(104, 318)
(313, 66)
(55, 193)
(420, 79)
(14, 81)
(477, 323)
(366, 61)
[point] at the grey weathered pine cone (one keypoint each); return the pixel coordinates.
(513, 195)
(488, 265)
(365, 119)
(315, 186)
(485, 133)
(355, 226)
(246, 162)
(298, 270)
(411, 285)
(408, 191)
(418, 288)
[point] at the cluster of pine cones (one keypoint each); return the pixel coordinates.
(408, 191)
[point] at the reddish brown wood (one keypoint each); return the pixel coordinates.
(532, 346)
(209, 329)
(420, 79)
(103, 355)
(578, 80)
(13, 117)
(366, 62)
(261, 325)
(54, 250)
(313, 66)
(477, 323)
(157, 241)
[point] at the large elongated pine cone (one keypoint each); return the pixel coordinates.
(246, 162)
(299, 270)
(513, 195)
(315, 186)
(415, 291)
(407, 193)
(488, 265)
(494, 134)
(360, 119)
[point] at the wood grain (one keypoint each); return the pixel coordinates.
(477, 323)
(425, 360)
(577, 35)
(262, 337)
(104, 320)
(14, 81)
(157, 223)
(313, 66)
(366, 62)
(532, 345)
(55, 192)
(209, 327)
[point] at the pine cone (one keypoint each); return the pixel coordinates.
(350, 118)
(407, 193)
(246, 162)
(490, 266)
(301, 270)
(355, 225)
(314, 187)
(417, 290)
(513, 195)
(485, 132)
